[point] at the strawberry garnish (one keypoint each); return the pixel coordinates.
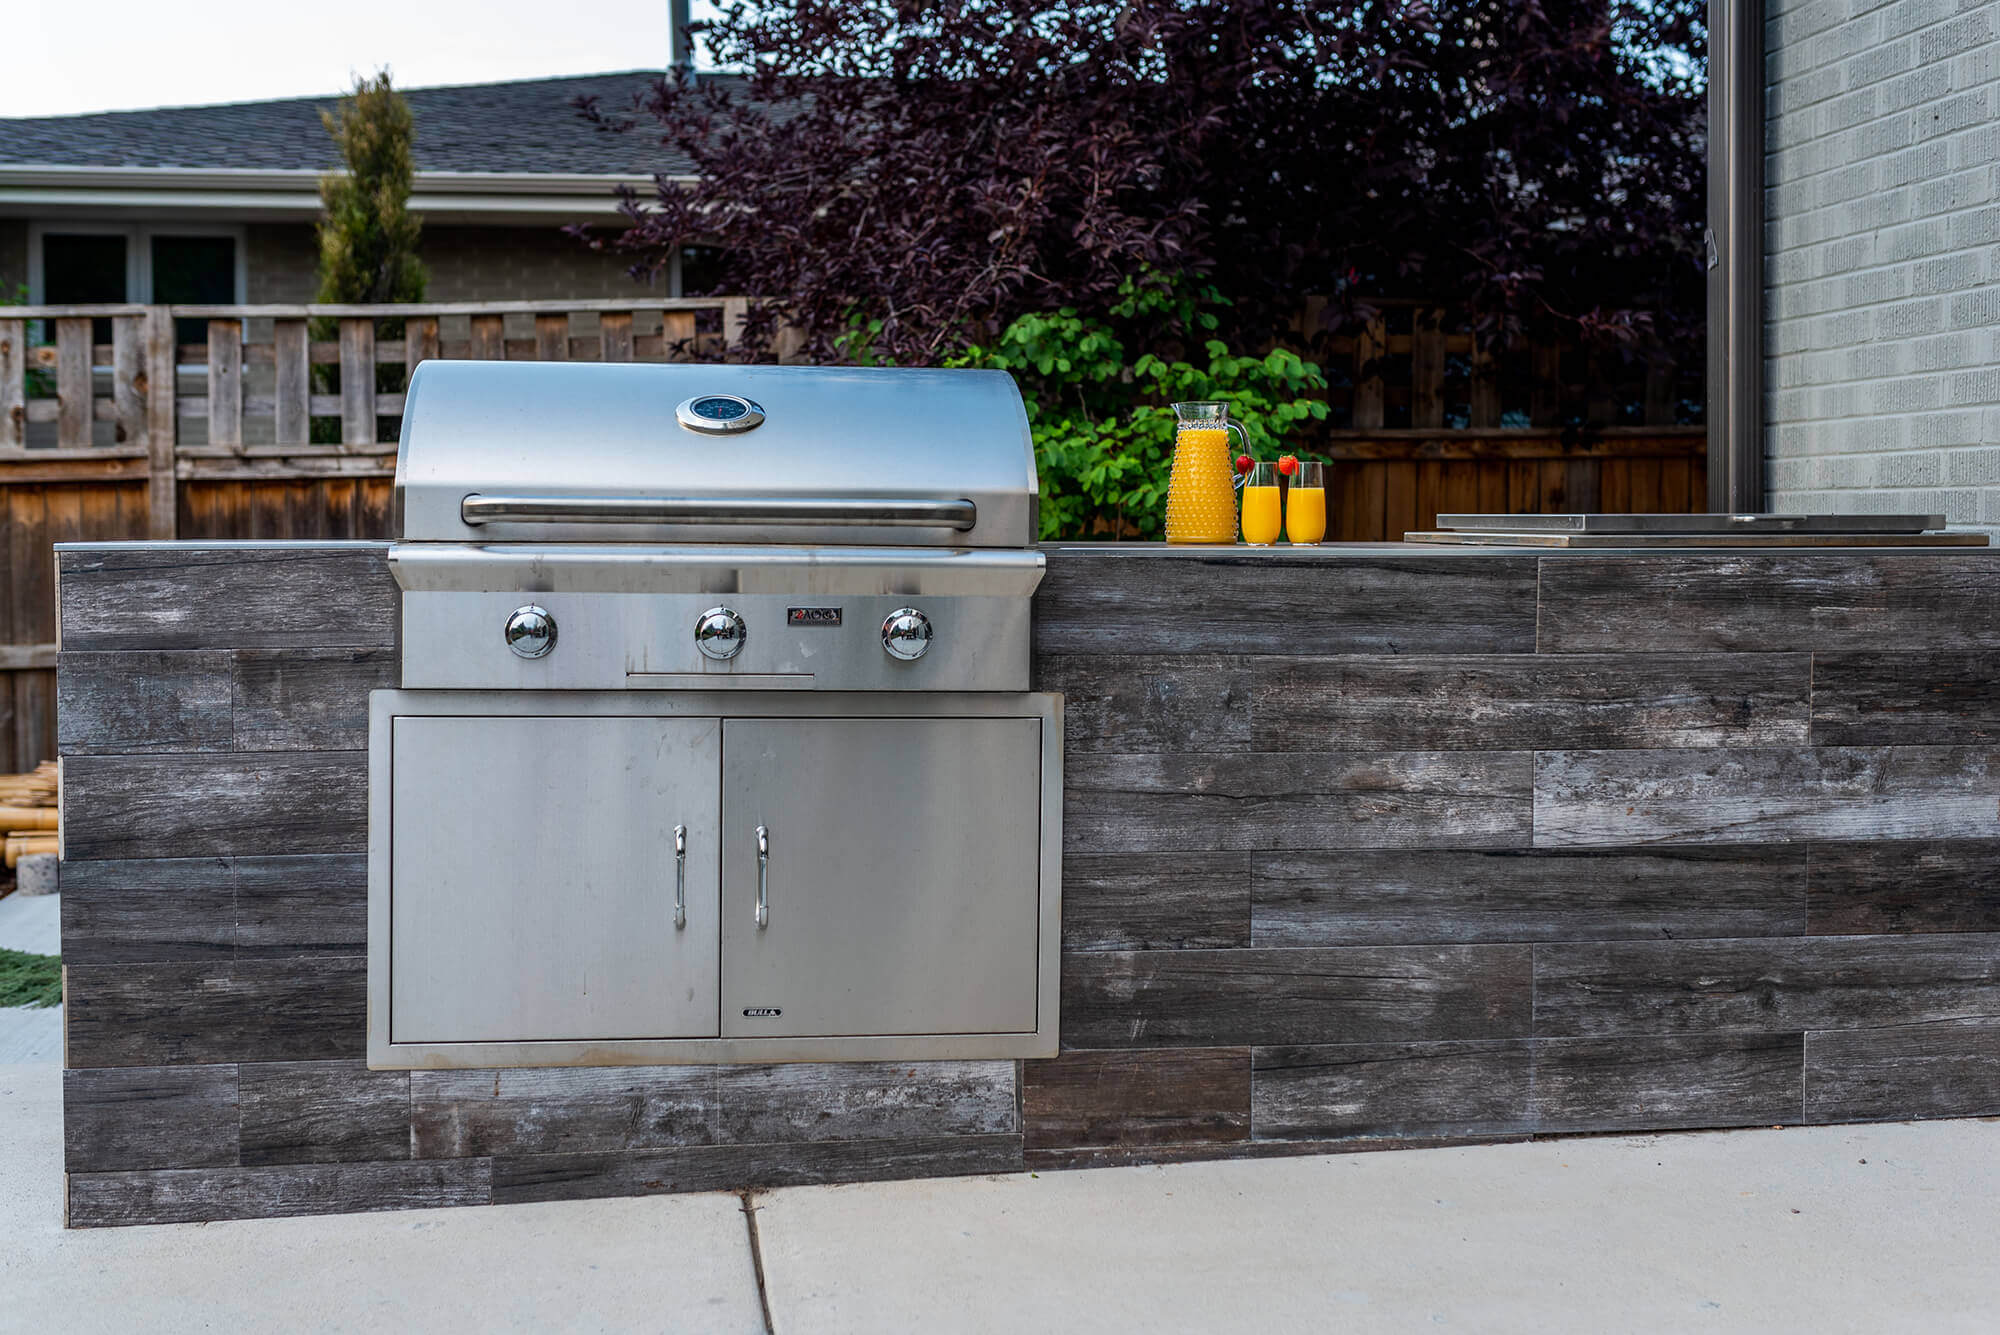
(1242, 463)
(1288, 464)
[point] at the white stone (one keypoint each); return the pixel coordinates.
(36, 874)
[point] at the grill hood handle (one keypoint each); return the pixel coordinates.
(849, 512)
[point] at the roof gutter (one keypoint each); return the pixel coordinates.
(254, 194)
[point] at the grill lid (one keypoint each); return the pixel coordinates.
(615, 453)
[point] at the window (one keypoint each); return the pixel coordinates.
(697, 271)
(82, 269)
(194, 271)
(80, 263)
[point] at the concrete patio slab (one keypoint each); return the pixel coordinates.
(1864, 1228)
(32, 923)
(678, 1263)
(31, 1036)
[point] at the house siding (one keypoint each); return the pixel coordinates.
(466, 264)
(1882, 276)
(282, 260)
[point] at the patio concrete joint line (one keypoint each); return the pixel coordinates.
(749, 1199)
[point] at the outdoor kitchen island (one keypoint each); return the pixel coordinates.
(1363, 847)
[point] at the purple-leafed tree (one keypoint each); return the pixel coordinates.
(903, 179)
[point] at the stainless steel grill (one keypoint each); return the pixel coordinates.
(870, 494)
(714, 741)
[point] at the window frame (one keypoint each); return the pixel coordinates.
(138, 252)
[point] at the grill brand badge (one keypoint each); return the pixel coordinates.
(763, 1012)
(812, 616)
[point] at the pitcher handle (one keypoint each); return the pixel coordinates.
(1238, 478)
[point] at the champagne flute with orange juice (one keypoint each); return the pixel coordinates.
(1305, 505)
(1263, 513)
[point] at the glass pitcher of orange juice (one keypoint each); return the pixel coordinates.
(1201, 492)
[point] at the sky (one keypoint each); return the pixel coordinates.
(115, 55)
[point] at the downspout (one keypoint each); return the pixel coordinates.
(1735, 251)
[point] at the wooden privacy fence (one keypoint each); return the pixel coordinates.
(1423, 420)
(127, 422)
(115, 424)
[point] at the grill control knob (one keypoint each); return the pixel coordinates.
(719, 633)
(906, 634)
(531, 631)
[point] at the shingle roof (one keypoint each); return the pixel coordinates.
(526, 126)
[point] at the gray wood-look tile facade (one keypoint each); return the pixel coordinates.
(1363, 849)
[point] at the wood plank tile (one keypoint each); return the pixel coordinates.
(614, 1109)
(1947, 1069)
(1155, 901)
(1156, 1097)
(457, 1114)
(146, 701)
(200, 1195)
(1523, 702)
(307, 699)
(1123, 1156)
(1415, 896)
(155, 909)
(1167, 702)
(553, 1177)
(866, 1100)
(1770, 986)
(1828, 602)
(1747, 796)
(243, 1010)
(1110, 602)
(1399, 799)
(137, 911)
(299, 906)
(1660, 1083)
(1906, 699)
(323, 1112)
(1209, 703)
(245, 803)
(1390, 1089)
(1922, 885)
(1228, 998)
(149, 1117)
(220, 597)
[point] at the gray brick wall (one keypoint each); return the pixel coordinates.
(281, 263)
(466, 264)
(1882, 276)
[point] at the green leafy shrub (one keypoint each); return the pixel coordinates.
(29, 980)
(1103, 427)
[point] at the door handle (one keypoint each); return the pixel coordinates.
(763, 877)
(680, 877)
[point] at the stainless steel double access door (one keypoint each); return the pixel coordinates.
(619, 887)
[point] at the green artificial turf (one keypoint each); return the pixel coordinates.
(29, 980)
